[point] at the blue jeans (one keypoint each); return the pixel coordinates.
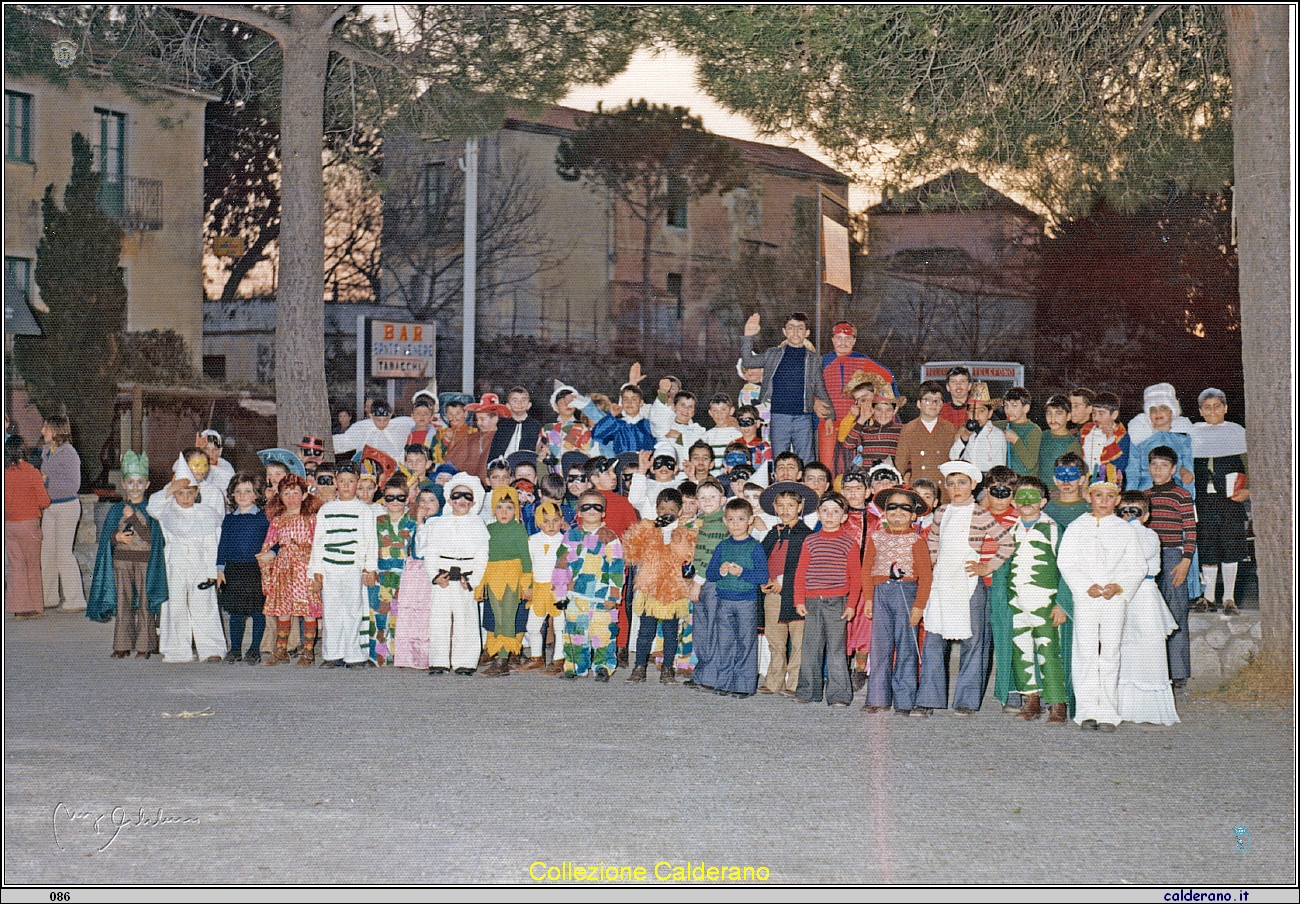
(703, 635)
(892, 634)
(734, 648)
(973, 670)
(794, 431)
(1180, 642)
(824, 661)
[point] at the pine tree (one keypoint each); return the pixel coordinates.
(72, 366)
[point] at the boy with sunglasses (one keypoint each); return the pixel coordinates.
(1145, 693)
(999, 486)
(393, 530)
(588, 582)
(750, 424)
(343, 565)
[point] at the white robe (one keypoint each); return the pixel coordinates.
(190, 618)
(948, 612)
(391, 440)
(445, 542)
(1145, 694)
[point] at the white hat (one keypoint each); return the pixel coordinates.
(961, 467)
(664, 447)
(470, 482)
(559, 390)
(1161, 394)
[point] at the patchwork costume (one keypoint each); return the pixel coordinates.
(393, 545)
(589, 573)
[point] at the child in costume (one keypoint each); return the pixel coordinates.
(507, 583)
(239, 579)
(454, 547)
(394, 530)
(897, 566)
(1145, 693)
(130, 577)
(736, 571)
(190, 618)
(782, 625)
(1037, 665)
(662, 550)
(411, 642)
(543, 547)
(1219, 453)
(588, 580)
(343, 563)
(285, 556)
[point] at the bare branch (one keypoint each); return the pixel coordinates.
(276, 28)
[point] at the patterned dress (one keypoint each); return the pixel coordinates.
(285, 581)
(589, 571)
(570, 436)
(394, 548)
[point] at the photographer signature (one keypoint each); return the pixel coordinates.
(109, 824)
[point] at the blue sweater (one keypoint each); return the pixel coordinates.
(242, 537)
(748, 554)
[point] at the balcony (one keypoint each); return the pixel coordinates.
(135, 203)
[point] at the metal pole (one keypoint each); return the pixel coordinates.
(817, 336)
(469, 165)
(361, 366)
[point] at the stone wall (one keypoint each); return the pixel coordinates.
(1221, 646)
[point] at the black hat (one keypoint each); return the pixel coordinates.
(919, 505)
(625, 459)
(523, 456)
(381, 409)
(572, 460)
(809, 496)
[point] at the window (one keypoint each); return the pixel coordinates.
(678, 193)
(18, 280)
(18, 127)
(214, 367)
(110, 160)
(675, 289)
(435, 195)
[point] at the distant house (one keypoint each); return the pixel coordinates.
(955, 260)
(150, 155)
(567, 262)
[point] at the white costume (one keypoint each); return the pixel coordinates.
(1099, 551)
(345, 544)
(213, 486)
(661, 418)
(190, 618)
(391, 440)
(543, 549)
(455, 541)
(1145, 693)
(985, 450)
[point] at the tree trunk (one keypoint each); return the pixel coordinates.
(1258, 55)
(302, 406)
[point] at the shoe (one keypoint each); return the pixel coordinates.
(497, 668)
(859, 681)
(437, 670)
(306, 659)
(253, 657)
(569, 676)
(1180, 685)
(121, 654)
(667, 675)
(533, 664)
(232, 656)
(963, 711)
(766, 690)
(1107, 727)
(555, 668)
(839, 703)
(622, 656)
(921, 712)
(327, 664)
(902, 712)
(1088, 725)
(872, 710)
(1011, 710)
(739, 695)
(1201, 604)
(602, 675)
(214, 659)
(1230, 609)
(788, 693)
(798, 699)
(484, 658)
(141, 655)
(1031, 709)
(280, 656)
(638, 675)
(1056, 714)
(465, 673)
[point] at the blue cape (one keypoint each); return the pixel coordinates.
(101, 605)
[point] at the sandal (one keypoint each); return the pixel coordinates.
(1201, 604)
(1230, 609)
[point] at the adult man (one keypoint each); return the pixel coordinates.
(312, 452)
(211, 443)
(792, 383)
(956, 410)
(838, 369)
(520, 431)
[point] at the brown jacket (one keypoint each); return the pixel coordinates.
(921, 451)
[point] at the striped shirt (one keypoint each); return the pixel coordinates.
(1173, 517)
(830, 565)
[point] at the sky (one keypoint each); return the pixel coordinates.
(667, 77)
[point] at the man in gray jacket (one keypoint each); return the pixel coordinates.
(792, 383)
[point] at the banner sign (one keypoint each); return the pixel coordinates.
(401, 350)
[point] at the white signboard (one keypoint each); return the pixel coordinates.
(401, 350)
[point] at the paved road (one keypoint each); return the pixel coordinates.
(316, 776)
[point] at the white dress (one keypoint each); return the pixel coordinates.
(190, 618)
(1145, 693)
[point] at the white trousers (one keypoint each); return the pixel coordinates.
(454, 639)
(1098, 629)
(58, 564)
(343, 603)
(535, 637)
(190, 618)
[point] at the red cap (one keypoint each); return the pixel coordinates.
(844, 328)
(312, 442)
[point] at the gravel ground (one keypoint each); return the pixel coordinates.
(294, 776)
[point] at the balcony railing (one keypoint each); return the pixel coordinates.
(135, 203)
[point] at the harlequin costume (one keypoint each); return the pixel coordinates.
(589, 573)
(394, 539)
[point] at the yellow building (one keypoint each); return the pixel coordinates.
(151, 157)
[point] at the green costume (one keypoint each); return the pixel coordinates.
(1036, 654)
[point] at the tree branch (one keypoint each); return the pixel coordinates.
(276, 28)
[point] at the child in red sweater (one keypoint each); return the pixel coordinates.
(826, 592)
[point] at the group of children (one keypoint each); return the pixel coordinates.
(621, 533)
